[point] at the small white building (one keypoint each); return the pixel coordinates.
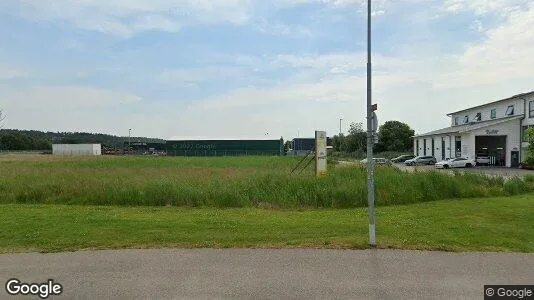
(77, 149)
(494, 130)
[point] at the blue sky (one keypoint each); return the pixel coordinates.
(246, 67)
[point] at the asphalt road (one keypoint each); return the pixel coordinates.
(268, 274)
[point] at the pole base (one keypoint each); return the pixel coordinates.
(372, 246)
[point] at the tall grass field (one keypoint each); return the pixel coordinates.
(263, 182)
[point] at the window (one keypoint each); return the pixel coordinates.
(531, 109)
(493, 113)
(466, 119)
(456, 120)
(510, 110)
(478, 117)
(458, 142)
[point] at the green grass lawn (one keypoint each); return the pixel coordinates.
(490, 224)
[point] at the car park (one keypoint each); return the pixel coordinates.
(421, 160)
(459, 162)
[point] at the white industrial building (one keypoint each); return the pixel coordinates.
(77, 149)
(494, 130)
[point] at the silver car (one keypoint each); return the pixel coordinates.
(421, 160)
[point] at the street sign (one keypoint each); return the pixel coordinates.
(375, 122)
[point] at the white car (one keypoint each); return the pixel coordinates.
(459, 162)
(378, 161)
(483, 160)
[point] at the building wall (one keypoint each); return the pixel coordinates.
(224, 147)
(97, 149)
(437, 146)
(510, 129)
(468, 145)
(528, 120)
(77, 149)
(501, 107)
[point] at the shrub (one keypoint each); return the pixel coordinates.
(515, 186)
(529, 178)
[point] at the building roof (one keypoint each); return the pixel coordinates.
(222, 138)
(494, 102)
(310, 138)
(469, 127)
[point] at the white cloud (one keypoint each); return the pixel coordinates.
(66, 108)
(334, 90)
(337, 62)
(11, 73)
(505, 54)
(192, 76)
(280, 29)
(65, 97)
(127, 17)
(481, 7)
(377, 13)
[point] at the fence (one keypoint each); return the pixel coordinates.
(223, 152)
(25, 152)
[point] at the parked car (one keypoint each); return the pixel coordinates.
(402, 158)
(482, 160)
(421, 160)
(378, 161)
(459, 162)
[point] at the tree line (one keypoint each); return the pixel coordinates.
(392, 136)
(13, 139)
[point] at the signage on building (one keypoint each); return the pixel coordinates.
(493, 131)
(320, 153)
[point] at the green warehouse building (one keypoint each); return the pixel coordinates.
(224, 147)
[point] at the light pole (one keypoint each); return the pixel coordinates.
(129, 144)
(370, 138)
(340, 119)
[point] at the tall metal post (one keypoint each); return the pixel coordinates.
(340, 126)
(370, 142)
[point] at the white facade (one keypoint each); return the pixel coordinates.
(77, 149)
(494, 130)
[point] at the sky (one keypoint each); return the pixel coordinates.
(242, 68)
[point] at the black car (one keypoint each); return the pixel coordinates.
(402, 158)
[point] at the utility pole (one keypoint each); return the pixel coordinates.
(340, 126)
(370, 138)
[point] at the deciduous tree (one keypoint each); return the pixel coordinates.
(530, 150)
(395, 136)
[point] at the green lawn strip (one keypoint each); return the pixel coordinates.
(490, 224)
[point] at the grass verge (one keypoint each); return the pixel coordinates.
(227, 182)
(491, 224)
